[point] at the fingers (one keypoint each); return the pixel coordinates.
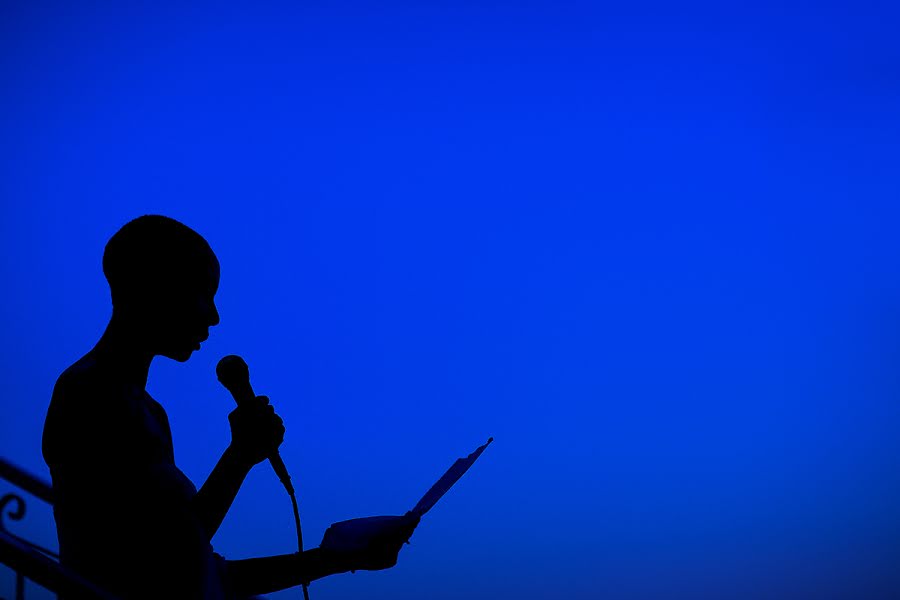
(409, 526)
(279, 430)
(392, 543)
(256, 429)
(376, 561)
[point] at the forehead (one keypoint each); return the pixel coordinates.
(201, 273)
(210, 270)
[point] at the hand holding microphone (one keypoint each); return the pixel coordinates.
(256, 431)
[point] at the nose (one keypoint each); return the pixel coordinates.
(214, 315)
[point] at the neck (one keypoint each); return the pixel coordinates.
(121, 347)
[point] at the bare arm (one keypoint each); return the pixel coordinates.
(218, 492)
(347, 546)
(273, 573)
(256, 432)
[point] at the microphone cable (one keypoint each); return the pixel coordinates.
(233, 373)
(290, 491)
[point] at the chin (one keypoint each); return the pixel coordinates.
(179, 355)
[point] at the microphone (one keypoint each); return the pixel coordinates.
(234, 374)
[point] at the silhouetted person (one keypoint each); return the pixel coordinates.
(127, 518)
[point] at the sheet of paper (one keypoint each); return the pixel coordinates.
(447, 480)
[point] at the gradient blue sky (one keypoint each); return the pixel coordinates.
(650, 247)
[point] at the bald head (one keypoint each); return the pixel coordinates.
(163, 278)
(155, 253)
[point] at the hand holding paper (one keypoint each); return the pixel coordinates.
(373, 543)
(370, 543)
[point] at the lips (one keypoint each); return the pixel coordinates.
(199, 341)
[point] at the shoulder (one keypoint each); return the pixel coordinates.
(82, 377)
(85, 405)
(80, 390)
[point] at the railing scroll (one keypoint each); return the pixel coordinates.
(30, 560)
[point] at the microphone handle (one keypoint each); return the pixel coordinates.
(281, 471)
(245, 392)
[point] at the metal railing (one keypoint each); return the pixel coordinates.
(27, 559)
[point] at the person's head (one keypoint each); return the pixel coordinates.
(163, 278)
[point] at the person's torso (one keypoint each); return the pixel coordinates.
(123, 509)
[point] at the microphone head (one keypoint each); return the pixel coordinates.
(233, 372)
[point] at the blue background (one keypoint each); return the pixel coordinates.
(650, 247)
